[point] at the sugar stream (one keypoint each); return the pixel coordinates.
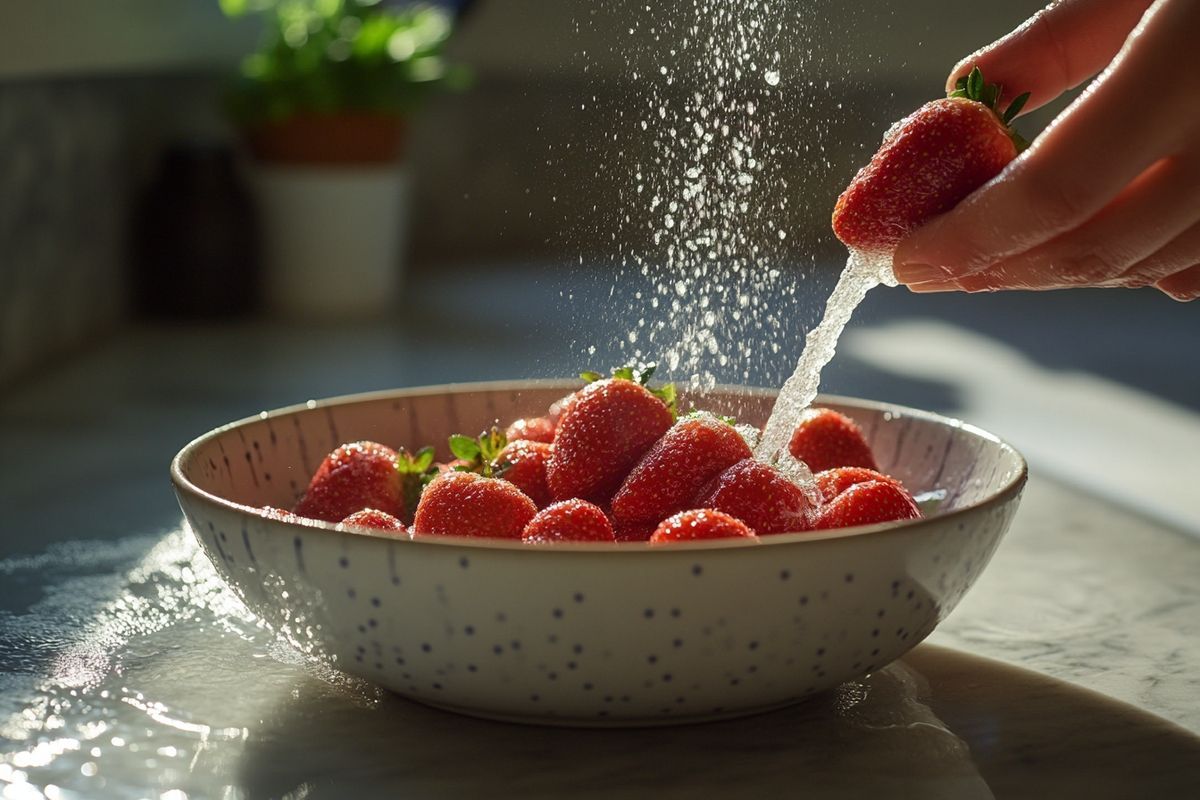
(863, 272)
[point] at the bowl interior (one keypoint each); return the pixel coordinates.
(268, 459)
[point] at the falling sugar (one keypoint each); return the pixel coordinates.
(863, 272)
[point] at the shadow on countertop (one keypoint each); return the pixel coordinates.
(939, 724)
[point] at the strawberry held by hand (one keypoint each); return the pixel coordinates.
(927, 164)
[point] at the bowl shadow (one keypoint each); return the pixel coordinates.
(939, 723)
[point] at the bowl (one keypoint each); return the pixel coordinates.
(592, 634)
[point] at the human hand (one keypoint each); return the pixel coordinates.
(1109, 194)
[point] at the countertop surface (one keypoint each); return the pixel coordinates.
(128, 670)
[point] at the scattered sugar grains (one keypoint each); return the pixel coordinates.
(708, 139)
(701, 139)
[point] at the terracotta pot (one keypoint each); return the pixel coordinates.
(333, 199)
(330, 139)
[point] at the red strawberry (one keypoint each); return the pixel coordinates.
(676, 468)
(700, 523)
(569, 521)
(373, 518)
(534, 429)
(559, 407)
(606, 429)
(523, 464)
(833, 482)
(466, 504)
(867, 504)
(353, 477)
(761, 496)
(825, 439)
(453, 466)
(928, 162)
(637, 532)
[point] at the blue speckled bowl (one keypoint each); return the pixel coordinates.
(591, 634)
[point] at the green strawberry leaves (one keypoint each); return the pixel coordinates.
(973, 87)
(464, 447)
(416, 471)
(697, 413)
(666, 393)
(480, 453)
(640, 373)
(1015, 107)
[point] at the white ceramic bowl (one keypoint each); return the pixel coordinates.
(592, 634)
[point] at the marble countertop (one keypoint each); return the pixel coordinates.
(127, 670)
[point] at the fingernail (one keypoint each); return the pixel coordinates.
(928, 287)
(919, 273)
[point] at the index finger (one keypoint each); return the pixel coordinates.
(1104, 140)
(1056, 49)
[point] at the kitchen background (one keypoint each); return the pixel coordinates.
(91, 94)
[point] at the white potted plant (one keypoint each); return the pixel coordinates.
(323, 105)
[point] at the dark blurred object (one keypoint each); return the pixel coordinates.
(195, 238)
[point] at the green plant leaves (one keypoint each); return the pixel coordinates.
(330, 56)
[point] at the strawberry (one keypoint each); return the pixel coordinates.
(700, 523)
(569, 521)
(353, 477)
(280, 514)
(466, 504)
(761, 496)
(676, 468)
(867, 504)
(559, 407)
(374, 519)
(533, 429)
(523, 463)
(928, 162)
(833, 482)
(607, 427)
(825, 439)
(636, 532)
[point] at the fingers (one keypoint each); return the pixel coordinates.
(1183, 286)
(1107, 138)
(1054, 50)
(1174, 269)
(1155, 209)
(1177, 256)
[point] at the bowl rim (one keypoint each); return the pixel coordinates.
(183, 485)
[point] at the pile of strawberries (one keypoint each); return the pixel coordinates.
(610, 462)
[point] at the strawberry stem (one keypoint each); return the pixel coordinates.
(972, 86)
